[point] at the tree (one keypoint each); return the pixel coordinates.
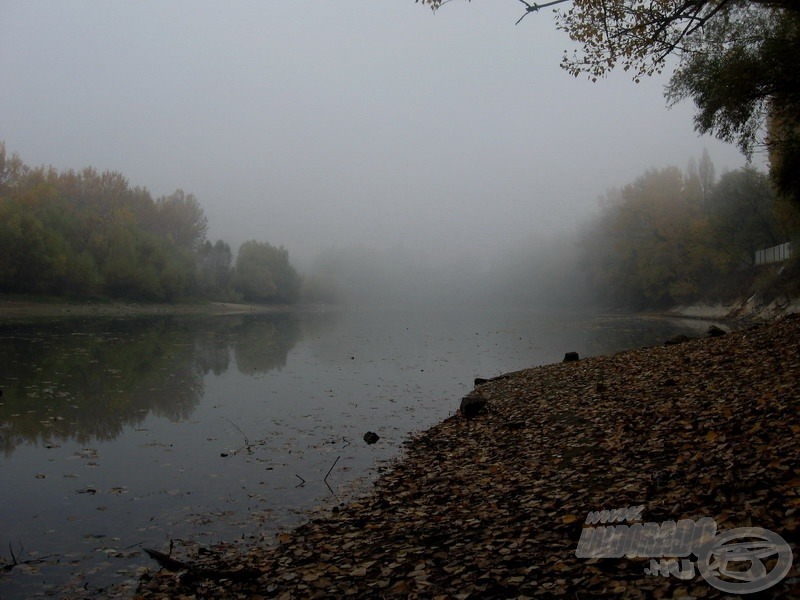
(85, 233)
(740, 70)
(214, 266)
(263, 273)
(736, 60)
(181, 218)
(741, 216)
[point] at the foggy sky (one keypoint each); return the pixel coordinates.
(325, 124)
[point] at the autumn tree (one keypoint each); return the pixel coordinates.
(264, 274)
(736, 60)
(180, 217)
(741, 216)
(85, 233)
(673, 236)
(648, 248)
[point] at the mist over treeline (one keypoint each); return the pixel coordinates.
(539, 275)
(86, 234)
(671, 236)
(677, 236)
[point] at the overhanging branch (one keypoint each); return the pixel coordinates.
(529, 8)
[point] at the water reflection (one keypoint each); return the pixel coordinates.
(127, 433)
(263, 345)
(88, 380)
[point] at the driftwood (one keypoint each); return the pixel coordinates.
(171, 564)
(167, 562)
(15, 562)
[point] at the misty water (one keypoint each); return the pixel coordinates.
(119, 434)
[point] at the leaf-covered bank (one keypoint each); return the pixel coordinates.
(493, 507)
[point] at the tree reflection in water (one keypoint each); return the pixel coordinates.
(87, 380)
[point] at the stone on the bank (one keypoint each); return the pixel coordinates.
(571, 357)
(678, 339)
(472, 405)
(714, 331)
(371, 437)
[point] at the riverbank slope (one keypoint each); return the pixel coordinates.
(493, 507)
(750, 310)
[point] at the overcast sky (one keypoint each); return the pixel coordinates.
(329, 123)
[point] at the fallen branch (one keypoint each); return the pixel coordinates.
(13, 558)
(167, 562)
(16, 562)
(325, 480)
(331, 469)
(171, 564)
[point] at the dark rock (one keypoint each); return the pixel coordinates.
(514, 425)
(473, 405)
(669, 382)
(571, 357)
(482, 380)
(678, 339)
(600, 387)
(371, 437)
(715, 331)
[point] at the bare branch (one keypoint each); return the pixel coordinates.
(529, 8)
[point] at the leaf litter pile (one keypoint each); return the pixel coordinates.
(493, 506)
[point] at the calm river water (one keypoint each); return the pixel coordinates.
(118, 434)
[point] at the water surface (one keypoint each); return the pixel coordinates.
(118, 434)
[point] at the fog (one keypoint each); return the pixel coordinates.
(442, 148)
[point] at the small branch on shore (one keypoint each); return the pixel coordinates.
(171, 564)
(303, 481)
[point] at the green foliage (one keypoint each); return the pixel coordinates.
(181, 219)
(85, 234)
(264, 274)
(214, 269)
(738, 69)
(671, 238)
(88, 234)
(736, 60)
(742, 216)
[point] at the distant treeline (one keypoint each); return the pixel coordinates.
(88, 234)
(673, 237)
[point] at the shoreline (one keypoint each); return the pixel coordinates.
(494, 506)
(746, 311)
(14, 308)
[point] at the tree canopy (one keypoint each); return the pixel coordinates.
(672, 236)
(736, 60)
(89, 234)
